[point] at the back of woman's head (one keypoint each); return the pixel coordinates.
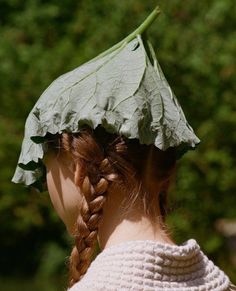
(110, 163)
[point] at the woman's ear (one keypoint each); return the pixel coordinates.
(77, 175)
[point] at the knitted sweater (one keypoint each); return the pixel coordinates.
(152, 266)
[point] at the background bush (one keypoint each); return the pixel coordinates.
(195, 42)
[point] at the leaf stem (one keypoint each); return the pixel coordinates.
(147, 22)
(141, 29)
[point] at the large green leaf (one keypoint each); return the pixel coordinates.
(124, 91)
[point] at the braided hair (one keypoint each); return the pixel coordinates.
(106, 159)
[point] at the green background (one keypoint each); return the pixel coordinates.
(195, 42)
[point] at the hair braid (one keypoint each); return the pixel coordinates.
(66, 141)
(96, 174)
(104, 158)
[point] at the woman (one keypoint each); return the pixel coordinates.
(105, 138)
(109, 188)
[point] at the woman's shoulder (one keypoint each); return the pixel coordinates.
(144, 263)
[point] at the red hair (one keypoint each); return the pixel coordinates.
(106, 160)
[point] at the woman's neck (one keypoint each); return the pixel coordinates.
(116, 226)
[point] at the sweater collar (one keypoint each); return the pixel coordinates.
(159, 265)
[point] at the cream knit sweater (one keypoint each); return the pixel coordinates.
(152, 266)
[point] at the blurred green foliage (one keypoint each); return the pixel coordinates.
(195, 43)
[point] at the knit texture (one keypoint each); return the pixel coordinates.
(150, 265)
